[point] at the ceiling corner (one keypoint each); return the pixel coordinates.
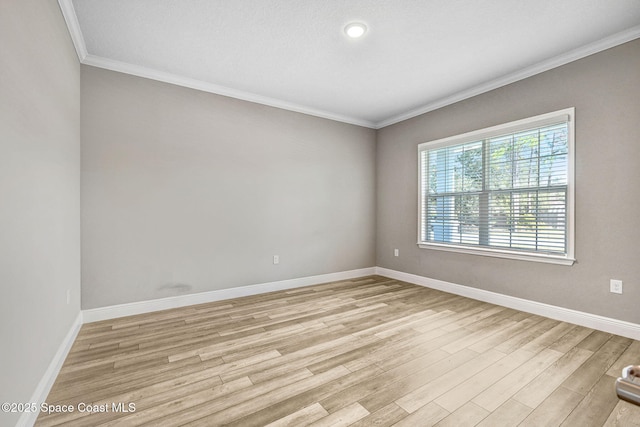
(69, 14)
(161, 76)
(574, 55)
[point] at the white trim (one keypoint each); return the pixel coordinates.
(606, 324)
(86, 316)
(594, 321)
(70, 17)
(149, 73)
(563, 59)
(498, 253)
(567, 116)
(46, 382)
(121, 310)
(75, 31)
(78, 41)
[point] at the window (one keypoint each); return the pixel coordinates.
(504, 191)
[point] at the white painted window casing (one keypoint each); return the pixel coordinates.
(505, 191)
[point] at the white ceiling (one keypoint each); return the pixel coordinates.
(293, 54)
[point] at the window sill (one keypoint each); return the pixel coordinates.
(498, 253)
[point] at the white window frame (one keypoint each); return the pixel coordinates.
(567, 114)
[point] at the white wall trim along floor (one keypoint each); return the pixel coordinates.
(46, 382)
(606, 324)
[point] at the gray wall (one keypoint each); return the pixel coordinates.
(185, 191)
(605, 89)
(40, 193)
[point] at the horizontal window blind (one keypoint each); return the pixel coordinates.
(505, 191)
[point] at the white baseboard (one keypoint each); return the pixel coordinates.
(85, 316)
(121, 310)
(46, 382)
(606, 324)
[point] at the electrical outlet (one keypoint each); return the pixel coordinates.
(276, 259)
(68, 296)
(396, 252)
(615, 286)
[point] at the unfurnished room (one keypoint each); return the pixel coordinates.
(320, 213)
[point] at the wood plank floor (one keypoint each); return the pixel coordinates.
(365, 352)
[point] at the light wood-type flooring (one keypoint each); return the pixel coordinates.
(364, 352)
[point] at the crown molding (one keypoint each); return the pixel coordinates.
(582, 52)
(149, 73)
(70, 17)
(73, 25)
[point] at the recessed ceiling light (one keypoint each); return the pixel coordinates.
(355, 29)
